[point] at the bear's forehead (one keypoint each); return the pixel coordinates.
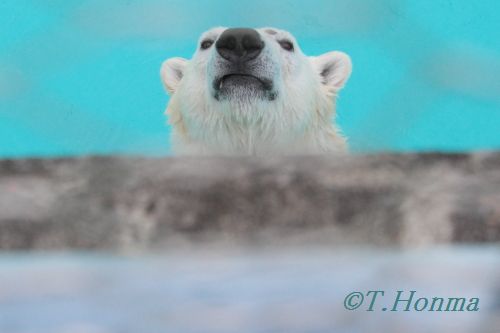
(271, 32)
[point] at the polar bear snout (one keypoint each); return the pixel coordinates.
(239, 45)
(242, 68)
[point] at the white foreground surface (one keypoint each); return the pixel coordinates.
(272, 290)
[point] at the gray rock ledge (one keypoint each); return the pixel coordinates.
(122, 203)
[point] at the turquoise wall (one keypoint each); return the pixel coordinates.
(81, 77)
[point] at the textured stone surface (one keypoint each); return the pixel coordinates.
(134, 203)
(245, 245)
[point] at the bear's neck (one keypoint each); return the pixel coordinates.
(255, 132)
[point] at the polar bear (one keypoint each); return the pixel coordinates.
(253, 92)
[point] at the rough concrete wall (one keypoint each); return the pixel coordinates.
(122, 203)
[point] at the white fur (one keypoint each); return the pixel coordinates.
(299, 121)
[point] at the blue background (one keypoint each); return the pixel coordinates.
(81, 77)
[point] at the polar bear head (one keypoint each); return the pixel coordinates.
(253, 91)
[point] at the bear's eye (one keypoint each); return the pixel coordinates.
(286, 45)
(206, 44)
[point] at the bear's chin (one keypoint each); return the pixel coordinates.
(243, 87)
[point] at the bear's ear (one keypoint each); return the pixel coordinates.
(171, 73)
(334, 68)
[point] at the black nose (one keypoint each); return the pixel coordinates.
(239, 44)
